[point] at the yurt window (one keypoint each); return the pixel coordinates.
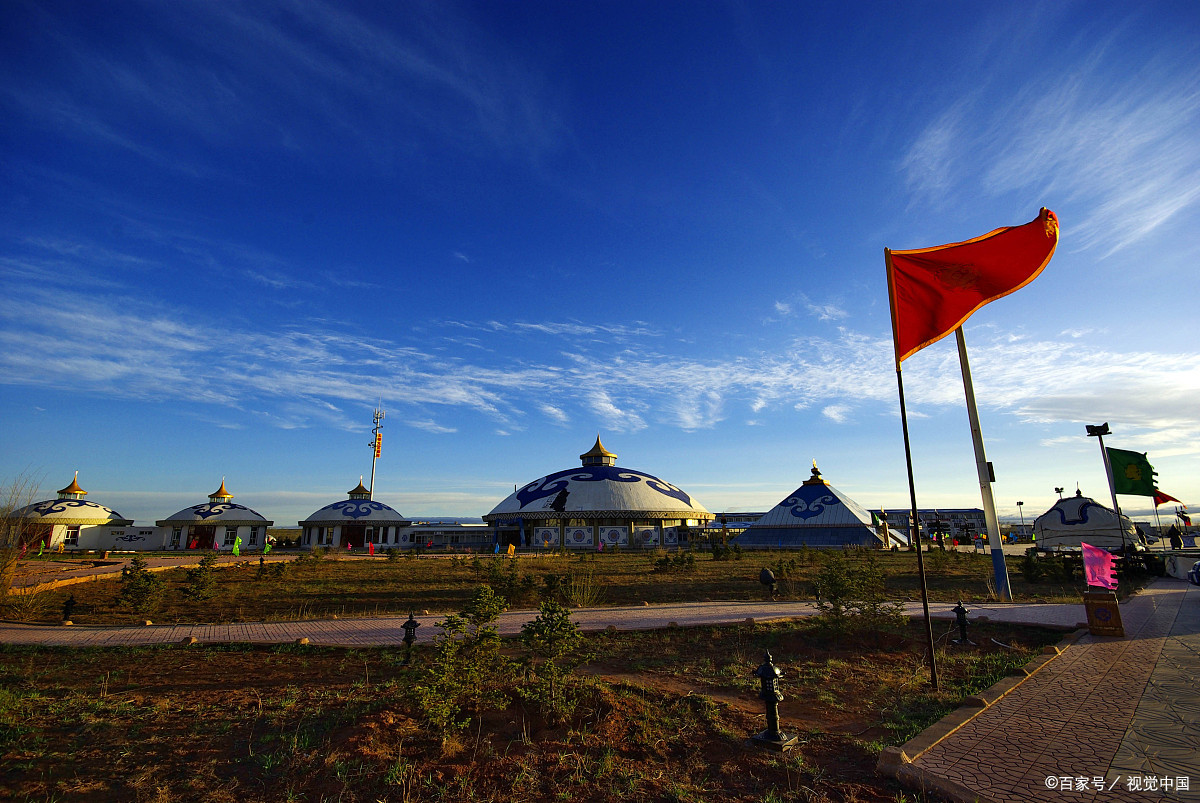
(253, 536)
(72, 538)
(230, 535)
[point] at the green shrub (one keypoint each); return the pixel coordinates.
(199, 582)
(141, 590)
(835, 588)
(553, 637)
(467, 674)
(1031, 567)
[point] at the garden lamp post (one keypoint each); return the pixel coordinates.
(1021, 510)
(768, 675)
(410, 635)
(960, 617)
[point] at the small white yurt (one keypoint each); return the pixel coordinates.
(217, 524)
(72, 522)
(355, 522)
(1077, 520)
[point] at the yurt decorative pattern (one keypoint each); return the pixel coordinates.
(816, 514)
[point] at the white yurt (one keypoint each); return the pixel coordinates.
(216, 524)
(599, 505)
(355, 522)
(1079, 519)
(816, 514)
(72, 522)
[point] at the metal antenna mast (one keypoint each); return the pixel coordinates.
(376, 444)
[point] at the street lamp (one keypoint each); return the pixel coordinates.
(1021, 510)
(1098, 431)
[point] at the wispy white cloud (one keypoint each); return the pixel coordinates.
(118, 347)
(268, 73)
(555, 414)
(827, 312)
(1120, 147)
(431, 426)
(837, 413)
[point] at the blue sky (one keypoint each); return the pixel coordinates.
(228, 230)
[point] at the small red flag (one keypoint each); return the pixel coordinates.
(1161, 498)
(934, 290)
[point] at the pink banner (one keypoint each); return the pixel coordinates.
(1098, 567)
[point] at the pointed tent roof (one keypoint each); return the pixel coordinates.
(816, 513)
(72, 491)
(598, 455)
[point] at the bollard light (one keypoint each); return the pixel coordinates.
(768, 675)
(410, 634)
(960, 617)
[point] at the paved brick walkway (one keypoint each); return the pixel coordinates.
(1111, 719)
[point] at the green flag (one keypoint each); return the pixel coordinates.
(1132, 472)
(266, 547)
(237, 546)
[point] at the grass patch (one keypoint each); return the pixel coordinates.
(335, 586)
(257, 723)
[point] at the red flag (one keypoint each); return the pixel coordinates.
(934, 290)
(1161, 498)
(371, 547)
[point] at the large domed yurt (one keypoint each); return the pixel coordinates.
(1079, 519)
(597, 506)
(816, 514)
(70, 521)
(354, 522)
(217, 524)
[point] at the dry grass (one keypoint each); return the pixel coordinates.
(367, 587)
(288, 723)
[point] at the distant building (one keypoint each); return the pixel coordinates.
(215, 524)
(596, 506)
(355, 522)
(964, 524)
(74, 523)
(816, 515)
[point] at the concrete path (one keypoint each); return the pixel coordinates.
(386, 630)
(1108, 719)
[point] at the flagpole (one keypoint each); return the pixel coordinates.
(984, 469)
(914, 534)
(914, 531)
(1100, 431)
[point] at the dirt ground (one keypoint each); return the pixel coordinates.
(659, 716)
